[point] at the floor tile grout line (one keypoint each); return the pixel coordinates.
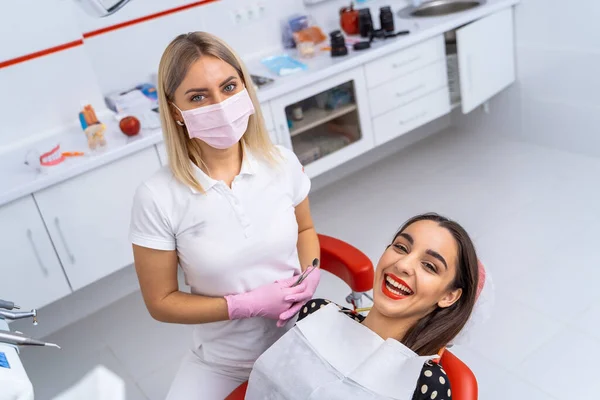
(509, 371)
(126, 371)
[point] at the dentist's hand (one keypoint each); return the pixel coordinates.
(265, 301)
(300, 298)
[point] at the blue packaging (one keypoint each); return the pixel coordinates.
(283, 64)
(3, 361)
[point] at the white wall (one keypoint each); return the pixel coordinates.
(44, 95)
(555, 102)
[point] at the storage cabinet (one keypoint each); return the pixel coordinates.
(88, 217)
(486, 58)
(327, 123)
(31, 272)
(161, 149)
(265, 107)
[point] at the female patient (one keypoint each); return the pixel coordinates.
(424, 291)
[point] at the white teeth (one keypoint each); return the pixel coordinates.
(398, 285)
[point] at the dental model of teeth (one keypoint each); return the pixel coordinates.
(50, 158)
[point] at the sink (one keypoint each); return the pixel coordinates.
(437, 8)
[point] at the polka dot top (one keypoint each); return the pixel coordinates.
(433, 382)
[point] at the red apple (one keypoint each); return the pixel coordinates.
(130, 126)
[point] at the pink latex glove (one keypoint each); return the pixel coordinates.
(265, 301)
(300, 298)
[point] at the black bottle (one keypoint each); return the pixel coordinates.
(365, 22)
(338, 44)
(386, 18)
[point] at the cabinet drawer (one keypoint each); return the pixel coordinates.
(408, 88)
(406, 118)
(404, 61)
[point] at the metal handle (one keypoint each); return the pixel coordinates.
(409, 91)
(62, 238)
(37, 254)
(406, 121)
(402, 64)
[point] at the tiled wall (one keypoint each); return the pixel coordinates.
(556, 102)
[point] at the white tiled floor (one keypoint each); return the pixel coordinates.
(534, 215)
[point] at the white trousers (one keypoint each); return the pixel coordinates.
(197, 379)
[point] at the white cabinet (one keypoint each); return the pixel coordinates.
(88, 217)
(31, 272)
(486, 59)
(161, 148)
(265, 107)
(326, 123)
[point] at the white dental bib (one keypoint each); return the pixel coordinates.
(330, 356)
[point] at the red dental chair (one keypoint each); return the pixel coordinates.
(354, 267)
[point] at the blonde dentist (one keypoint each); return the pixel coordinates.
(231, 209)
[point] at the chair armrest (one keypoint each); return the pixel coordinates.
(239, 393)
(347, 263)
(462, 380)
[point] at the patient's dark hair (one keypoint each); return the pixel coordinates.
(434, 331)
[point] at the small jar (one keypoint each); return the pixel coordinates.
(297, 113)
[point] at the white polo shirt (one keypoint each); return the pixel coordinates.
(228, 240)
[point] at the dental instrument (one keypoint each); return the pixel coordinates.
(307, 272)
(22, 340)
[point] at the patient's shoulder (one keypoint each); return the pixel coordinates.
(432, 380)
(313, 305)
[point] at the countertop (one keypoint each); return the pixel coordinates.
(18, 180)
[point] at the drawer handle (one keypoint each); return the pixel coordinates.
(37, 254)
(409, 91)
(412, 119)
(62, 238)
(402, 64)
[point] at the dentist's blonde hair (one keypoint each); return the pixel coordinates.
(175, 62)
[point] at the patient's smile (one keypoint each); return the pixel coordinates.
(395, 288)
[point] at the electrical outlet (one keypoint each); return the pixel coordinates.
(255, 11)
(261, 8)
(252, 12)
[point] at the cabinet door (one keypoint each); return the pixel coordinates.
(88, 217)
(486, 58)
(313, 136)
(31, 273)
(265, 107)
(161, 148)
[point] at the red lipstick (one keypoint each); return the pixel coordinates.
(389, 293)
